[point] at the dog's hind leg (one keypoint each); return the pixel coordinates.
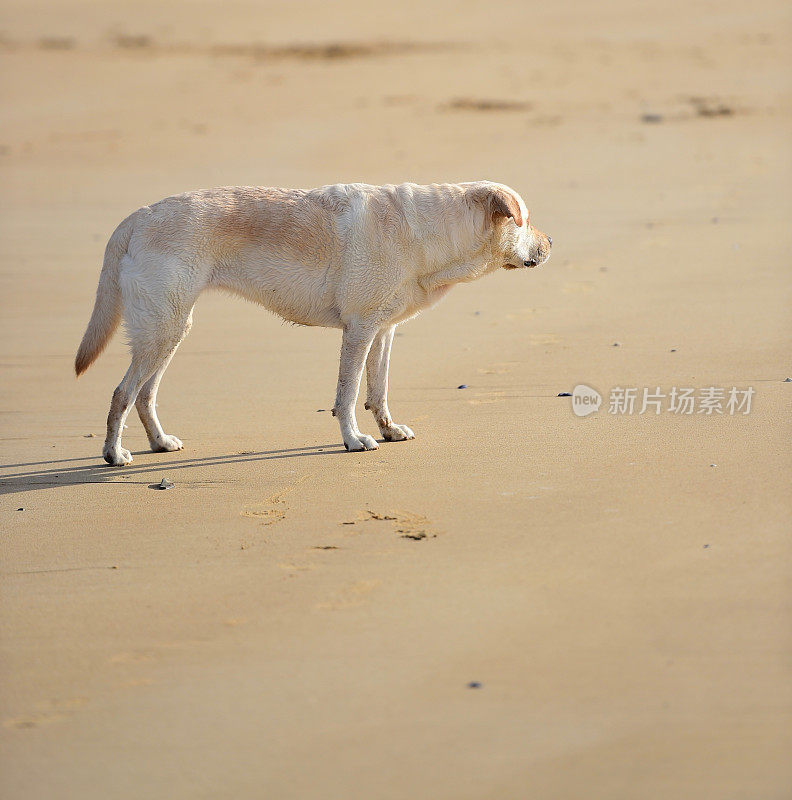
(146, 403)
(151, 352)
(377, 364)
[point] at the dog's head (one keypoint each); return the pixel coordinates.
(506, 220)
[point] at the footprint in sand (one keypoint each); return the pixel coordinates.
(405, 523)
(273, 509)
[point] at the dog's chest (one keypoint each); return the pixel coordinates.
(418, 299)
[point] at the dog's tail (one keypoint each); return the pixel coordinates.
(107, 307)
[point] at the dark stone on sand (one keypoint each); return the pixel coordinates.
(462, 386)
(564, 394)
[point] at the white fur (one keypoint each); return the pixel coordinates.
(351, 256)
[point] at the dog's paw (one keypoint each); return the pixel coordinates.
(397, 433)
(167, 444)
(359, 442)
(117, 457)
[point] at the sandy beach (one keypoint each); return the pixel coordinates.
(521, 602)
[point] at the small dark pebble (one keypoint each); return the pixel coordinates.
(616, 344)
(673, 349)
(320, 409)
(163, 484)
(652, 118)
(564, 394)
(706, 546)
(787, 380)
(462, 386)
(474, 685)
(20, 509)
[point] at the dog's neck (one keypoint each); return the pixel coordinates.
(479, 261)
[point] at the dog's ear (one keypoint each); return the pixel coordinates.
(500, 202)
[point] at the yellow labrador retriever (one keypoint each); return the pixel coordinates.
(351, 256)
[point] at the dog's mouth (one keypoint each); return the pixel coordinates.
(529, 264)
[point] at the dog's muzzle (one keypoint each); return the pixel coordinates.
(529, 263)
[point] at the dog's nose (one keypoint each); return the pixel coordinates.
(550, 240)
(529, 263)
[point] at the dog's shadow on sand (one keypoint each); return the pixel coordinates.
(16, 478)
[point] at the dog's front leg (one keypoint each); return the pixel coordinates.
(355, 346)
(377, 387)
